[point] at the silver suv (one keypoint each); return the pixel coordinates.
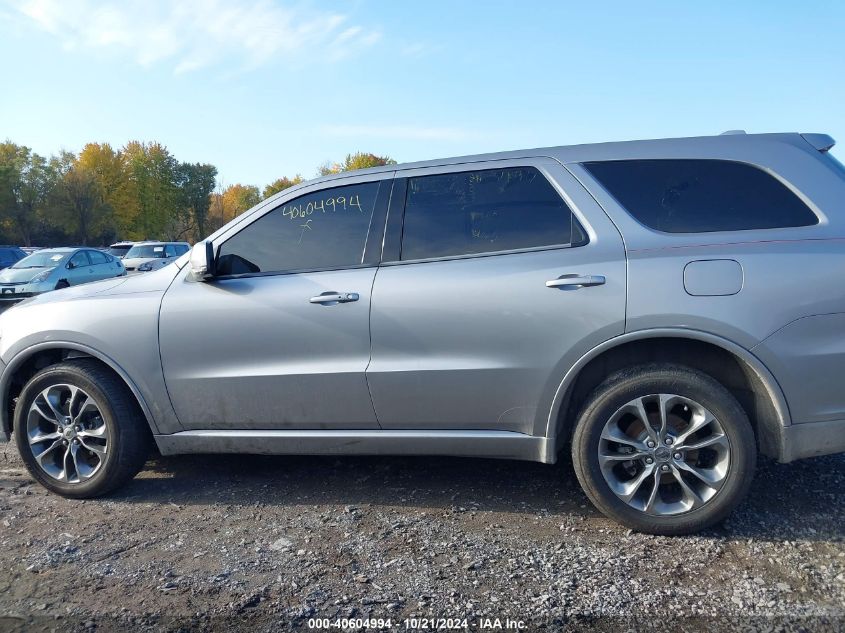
(148, 256)
(665, 310)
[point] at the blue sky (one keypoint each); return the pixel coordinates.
(265, 88)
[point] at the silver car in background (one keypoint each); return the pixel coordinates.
(665, 311)
(148, 256)
(53, 269)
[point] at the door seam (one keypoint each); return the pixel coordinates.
(370, 358)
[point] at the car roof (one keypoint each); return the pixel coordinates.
(617, 150)
(155, 242)
(65, 249)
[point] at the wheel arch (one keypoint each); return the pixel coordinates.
(748, 379)
(32, 359)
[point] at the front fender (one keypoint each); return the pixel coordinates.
(119, 329)
(16, 362)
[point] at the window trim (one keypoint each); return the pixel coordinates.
(512, 251)
(821, 219)
(383, 192)
(395, 231)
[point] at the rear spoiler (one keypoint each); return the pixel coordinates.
(821, 142)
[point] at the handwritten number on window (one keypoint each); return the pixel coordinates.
(322, 206)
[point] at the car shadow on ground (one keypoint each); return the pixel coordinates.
(803, 500)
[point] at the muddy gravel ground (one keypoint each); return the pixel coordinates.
(270, 543)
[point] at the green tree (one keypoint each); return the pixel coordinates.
(79, 202)
(118, 193)
(152, 176)
(281, 184)
(25, 182)
(358, 160)
(195, 182)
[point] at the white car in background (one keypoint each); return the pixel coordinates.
(146, 256)
(119, 249)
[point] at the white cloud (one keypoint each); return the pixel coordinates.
(192, 34)
(416, 50)
(399, 132)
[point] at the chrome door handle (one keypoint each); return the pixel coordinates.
(335, 297)
(575, 281)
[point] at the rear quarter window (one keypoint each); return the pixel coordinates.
(97, 257)
(700, 195)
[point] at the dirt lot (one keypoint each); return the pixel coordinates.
(266, 543)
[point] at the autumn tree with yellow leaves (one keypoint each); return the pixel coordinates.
(138, 191)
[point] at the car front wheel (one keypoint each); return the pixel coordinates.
(79, 429)
(664, 449)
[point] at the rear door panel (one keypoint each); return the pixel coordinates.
(480, 342)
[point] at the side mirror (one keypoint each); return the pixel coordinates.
(70, 266)
(202, 261)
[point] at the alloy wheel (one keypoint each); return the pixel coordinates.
(664, 454)
(67, 434)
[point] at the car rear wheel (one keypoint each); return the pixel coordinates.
(664, 449)
(79, 429)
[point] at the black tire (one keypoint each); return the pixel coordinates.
(129, 434)
(627, 385)
(62, 284)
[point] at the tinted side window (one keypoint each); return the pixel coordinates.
(181, 249)
(169, 250)
(324, 229)
(79, 259)
(484, 211)
(701, 196)
(97, 257)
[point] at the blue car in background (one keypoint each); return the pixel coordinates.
(54, 268)
(9, 255)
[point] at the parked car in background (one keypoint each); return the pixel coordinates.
(29, 250)
(55, 268)
(119, 249)
(664, 310)
(147, 256)
(9, 255)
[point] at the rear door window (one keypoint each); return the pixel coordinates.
(485, 211)
(79, 259)
(97, 257)
(701, 196)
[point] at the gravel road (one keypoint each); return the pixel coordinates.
(267, 543)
